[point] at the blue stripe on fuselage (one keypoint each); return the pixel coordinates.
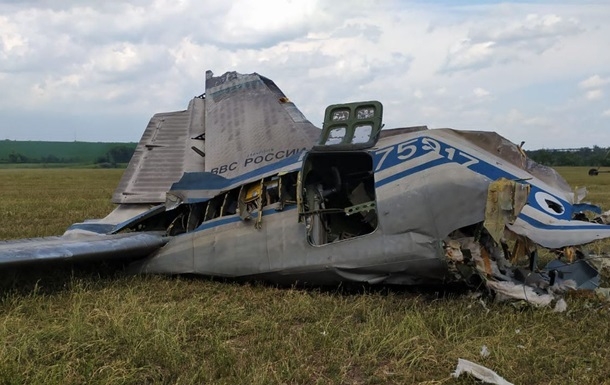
(545, 226)
(443, 150)
(390, 156)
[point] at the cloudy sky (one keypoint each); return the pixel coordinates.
(537, 71)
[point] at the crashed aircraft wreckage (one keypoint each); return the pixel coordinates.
(242, 185)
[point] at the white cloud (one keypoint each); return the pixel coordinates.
(480, 92)
(466, 54)
(532, 27)
(249, 23)
(117, 58)
(510, 36)
(428, 64)
(606, 113)
(538, 121)
(594, 94)
(11, 41)
(594, 81)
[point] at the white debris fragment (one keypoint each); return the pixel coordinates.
(603, 293)
(564, 285)
(507, 289)
(484, 306)
(478, 371)
(600, 262)
(453, 252)
(484, 351)
(604, 217)
(580, 194)
(560, 306)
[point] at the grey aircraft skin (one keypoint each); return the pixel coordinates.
(242, 185)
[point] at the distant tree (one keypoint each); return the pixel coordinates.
(50, 159)
(15, 157)
(117, 154)
(120, 154)
(102, 159)
(597, 156)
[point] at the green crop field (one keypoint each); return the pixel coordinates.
(97, 325)
(18, 152)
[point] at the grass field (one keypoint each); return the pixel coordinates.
(96, 325)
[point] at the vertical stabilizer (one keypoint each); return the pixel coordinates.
(250, 123)
(244, 122)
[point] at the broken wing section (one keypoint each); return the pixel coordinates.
(250, 123)
(79, 249)
(171, 145)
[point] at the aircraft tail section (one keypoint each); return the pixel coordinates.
(250, 123)
(242, 122)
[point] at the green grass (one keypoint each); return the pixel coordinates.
(97, 325)
(41, 202)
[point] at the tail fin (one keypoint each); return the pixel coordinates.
(242, 123)
(250, 123)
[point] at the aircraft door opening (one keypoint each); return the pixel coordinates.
(338, 196)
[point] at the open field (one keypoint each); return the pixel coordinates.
(56, 152)
(97, 325)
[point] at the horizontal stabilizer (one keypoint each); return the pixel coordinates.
(90, 248)
(168, 147)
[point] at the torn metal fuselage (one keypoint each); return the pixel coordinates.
(238, 186)
(417, 208)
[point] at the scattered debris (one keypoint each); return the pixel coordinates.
(480, 372)
(504, 257)
(560, 306)
(603, 293)
(484, 351)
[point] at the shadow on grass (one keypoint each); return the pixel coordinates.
(346, 289)
(51, 278)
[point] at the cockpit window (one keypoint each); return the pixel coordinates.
(362, 133)
(336, 135)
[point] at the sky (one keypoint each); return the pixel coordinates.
(533, 71)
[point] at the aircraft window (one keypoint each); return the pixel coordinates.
(288, 190)
(365, 112)
(336, 135)
(195, 216)
(272, 190)
(362, 133)
(229, 206)
(340, 115)
(213, 209)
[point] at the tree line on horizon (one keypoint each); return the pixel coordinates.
(122, 153)
(585, 156)
(101, 154)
